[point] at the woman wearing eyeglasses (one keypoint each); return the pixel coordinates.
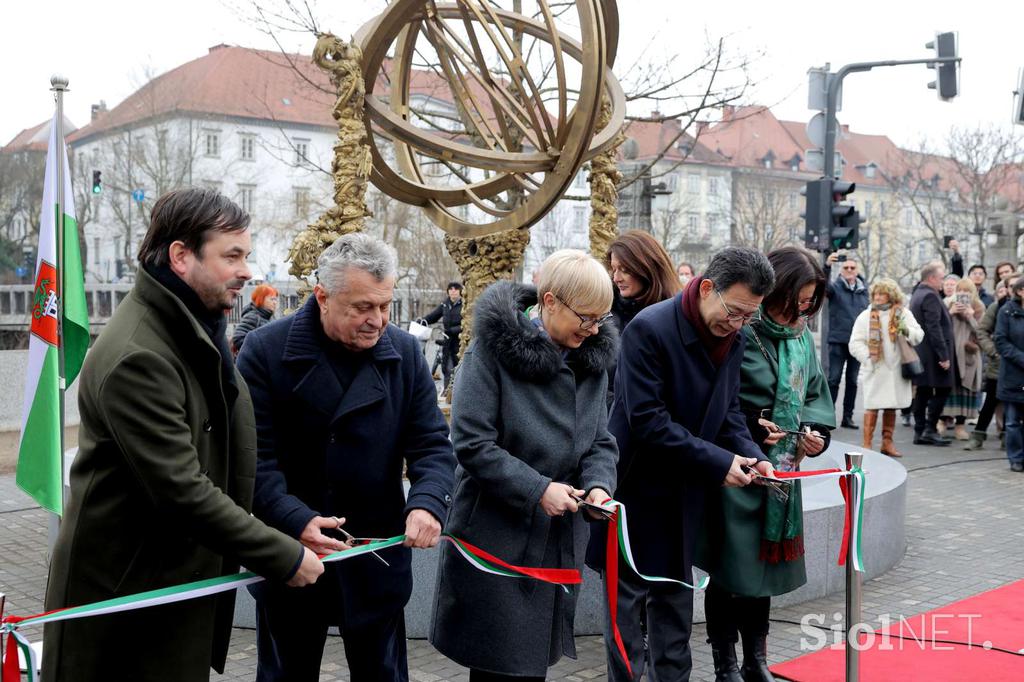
(752, 544)
(530, 431)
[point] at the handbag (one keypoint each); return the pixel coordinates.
(910, 361)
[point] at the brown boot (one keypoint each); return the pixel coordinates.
(870, 420)
(888, 426)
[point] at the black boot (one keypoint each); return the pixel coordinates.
(755, 659)
(726, 666)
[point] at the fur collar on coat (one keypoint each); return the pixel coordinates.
(522, 348)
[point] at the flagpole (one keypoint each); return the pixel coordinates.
(60, 86)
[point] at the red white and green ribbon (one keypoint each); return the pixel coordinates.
(478, 558)
(617, 540)
(854, 507)
(16, 641)
(488, 563)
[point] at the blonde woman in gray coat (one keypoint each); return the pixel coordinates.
(530, 430)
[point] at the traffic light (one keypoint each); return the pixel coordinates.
(97, 182)
(947, 83)
(844, 230)
(816, 215)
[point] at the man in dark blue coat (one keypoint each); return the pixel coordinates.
(343, 402)
(847, 299)
(679, 428)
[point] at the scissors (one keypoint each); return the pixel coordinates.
(605, 512)
(358, 542)
(781, 487)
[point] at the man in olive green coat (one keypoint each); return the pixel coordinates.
(163, 481)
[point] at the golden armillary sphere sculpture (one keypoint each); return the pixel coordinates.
(524, 118)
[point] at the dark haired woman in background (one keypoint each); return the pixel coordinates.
(753, 536)
(643, 275)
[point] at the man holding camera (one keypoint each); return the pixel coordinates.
(847, 298)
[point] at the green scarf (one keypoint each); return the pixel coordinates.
(782, 537)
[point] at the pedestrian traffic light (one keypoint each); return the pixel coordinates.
(947, 82)
(816, 213)
(97, 182)
(845, 220)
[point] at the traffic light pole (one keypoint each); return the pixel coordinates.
(835, 84)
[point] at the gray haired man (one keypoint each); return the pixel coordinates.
(344, 403)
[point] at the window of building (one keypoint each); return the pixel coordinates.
(794, 201)
(579, 218)
(869, 172)
(246, 196)
(580, 181)
(211, 141)
(693, 183)
(867, 209)
(301, 202)
(301, 151)
(713, 186)
(908, 217)
(95, 250)
(247, 147)
(692, 222)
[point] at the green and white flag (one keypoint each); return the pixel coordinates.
(39, 453)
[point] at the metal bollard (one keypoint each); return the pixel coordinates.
(853, 584)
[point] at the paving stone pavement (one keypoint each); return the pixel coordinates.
(964, 536)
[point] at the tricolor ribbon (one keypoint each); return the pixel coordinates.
(853, 507)
(617, 540)
(617, 544)
(479, 558)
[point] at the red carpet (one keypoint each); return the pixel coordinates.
(996, 616)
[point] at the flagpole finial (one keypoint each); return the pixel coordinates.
(59, 81)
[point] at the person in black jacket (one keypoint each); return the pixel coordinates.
(345, 411)
(936, 354)
(449, 312)
(255, 314)
(1009, 340)
(642, 273)
(847, 298)
(676, 418)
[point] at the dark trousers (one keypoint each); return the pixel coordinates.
(663, 646)
(928, 404)
(988, 408)
(1014, 419)
(481, 676)
(291, 630)
(730, 615)
(838, 357)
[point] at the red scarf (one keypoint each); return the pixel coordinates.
(716, 346)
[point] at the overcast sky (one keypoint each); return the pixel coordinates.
(105, 48)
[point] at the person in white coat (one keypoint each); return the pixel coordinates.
(873, 343)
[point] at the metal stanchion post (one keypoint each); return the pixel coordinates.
(853, 582)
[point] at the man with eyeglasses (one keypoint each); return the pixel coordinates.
(680, 431)
(847, 298)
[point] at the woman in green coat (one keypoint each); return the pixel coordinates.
(753, 541)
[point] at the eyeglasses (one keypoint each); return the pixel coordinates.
(849, 267)
(735, 317)
(585, 322)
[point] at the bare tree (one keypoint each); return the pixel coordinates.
(957, 191)
(21, 195)
(766, 210)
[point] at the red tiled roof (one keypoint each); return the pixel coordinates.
(653, 138)
(229, 81)
(36, 138)
(247, 83)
